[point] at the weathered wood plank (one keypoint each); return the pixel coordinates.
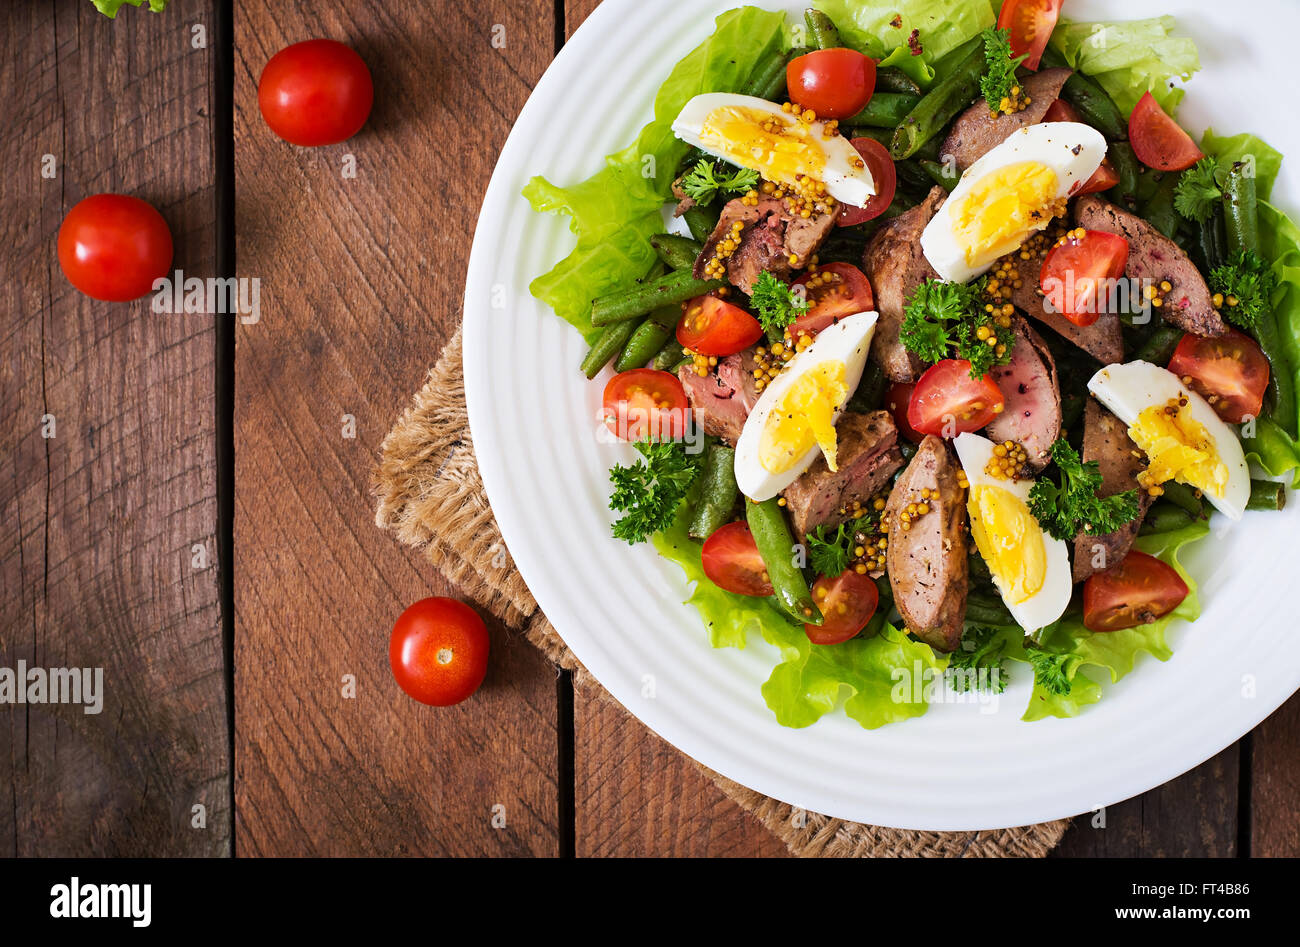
(98, 523)
(361, 283)
(1275, 784)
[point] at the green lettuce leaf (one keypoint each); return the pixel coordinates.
(110, 7)
(943, 26)
(1229, 149)
(615, 211)
(1130, 58)
(1113, 652)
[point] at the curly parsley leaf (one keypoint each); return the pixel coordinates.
(1072, 506)
(999, 77)
(704, 181)
(943, 320)
(980, 666)
(1247, 279)
(110, 7)
(830, 555)
(778, 304)
(1197, 194)
(1051, 670)
(648, 492)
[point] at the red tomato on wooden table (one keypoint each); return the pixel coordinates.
(836, 290)
(317, 92)
(439, 651)
(713, 326)
(1230, 372)
(1073, 272)
(731, 560)
(1135, 592)
(881, 166)
(847, 602)
(1030, 23)
(948, 402)
(1158, 141)
(834, 83)
(113, 247)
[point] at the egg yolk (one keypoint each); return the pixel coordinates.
(804, 416)
(1178, 447)
(780, 146)
(1003, 208)
(1010, 540)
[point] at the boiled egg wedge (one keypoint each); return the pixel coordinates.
(781, 146)
(794, 418)
(1030, 568)
(1008, 195)
(1182, 436)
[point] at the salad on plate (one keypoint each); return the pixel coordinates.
(935, 338)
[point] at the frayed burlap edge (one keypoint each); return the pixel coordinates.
(430, 496)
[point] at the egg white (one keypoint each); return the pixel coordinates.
(1128, 389)
(1071, 149)
(844, 180)
(1049, 602)
(847, 341)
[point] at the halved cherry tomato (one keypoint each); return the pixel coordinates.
(834, 83)
(1136, 592)
(1229, 372)
(731, 561)
(1158, 141)
(439, 651)
(847, 602)
(881, 166)
(1072, 271)
(712, 326)
(645, 403)
(1031, 22)
(896, 402)
(1105, 177)
(836, 290)
(948, 402)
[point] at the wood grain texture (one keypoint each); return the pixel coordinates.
(637, 796)
(361, 284)
(97, 522)
(1193, 816)
(1275, 784)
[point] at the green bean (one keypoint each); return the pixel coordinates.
(675, 287)
(944, 175)
(1241, 210)
(884, 604)
(1266, 495)
(1159, 348)
(913, 179)
(648, 339)
(776, 546)
(1211, 242)
(882, 135)
(688, 360)
(700, 221)
(678, 252)
(610, 342)
(1164, 518)
(942, 103)
(1095, 106)
(767, 81)
(885, 110)
(671, 354)
(871, 390)
(1159, 208)
(1126, 166)
(893, 79)
(1183, 497)
(821, 29)
(718, 495)
(987, 611)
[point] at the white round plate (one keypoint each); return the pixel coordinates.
(959, 767)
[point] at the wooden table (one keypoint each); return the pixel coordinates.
(200, 524)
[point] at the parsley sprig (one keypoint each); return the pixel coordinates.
(999, 69)
(704, 181)
(943, 320)
(1197, 194)
(1072, 506)
(648, 492)
(778, 304)
(1052, 671)
(1250, 281)
(985, 653)
(829, 554)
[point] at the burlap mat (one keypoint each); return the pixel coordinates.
(431, 497)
